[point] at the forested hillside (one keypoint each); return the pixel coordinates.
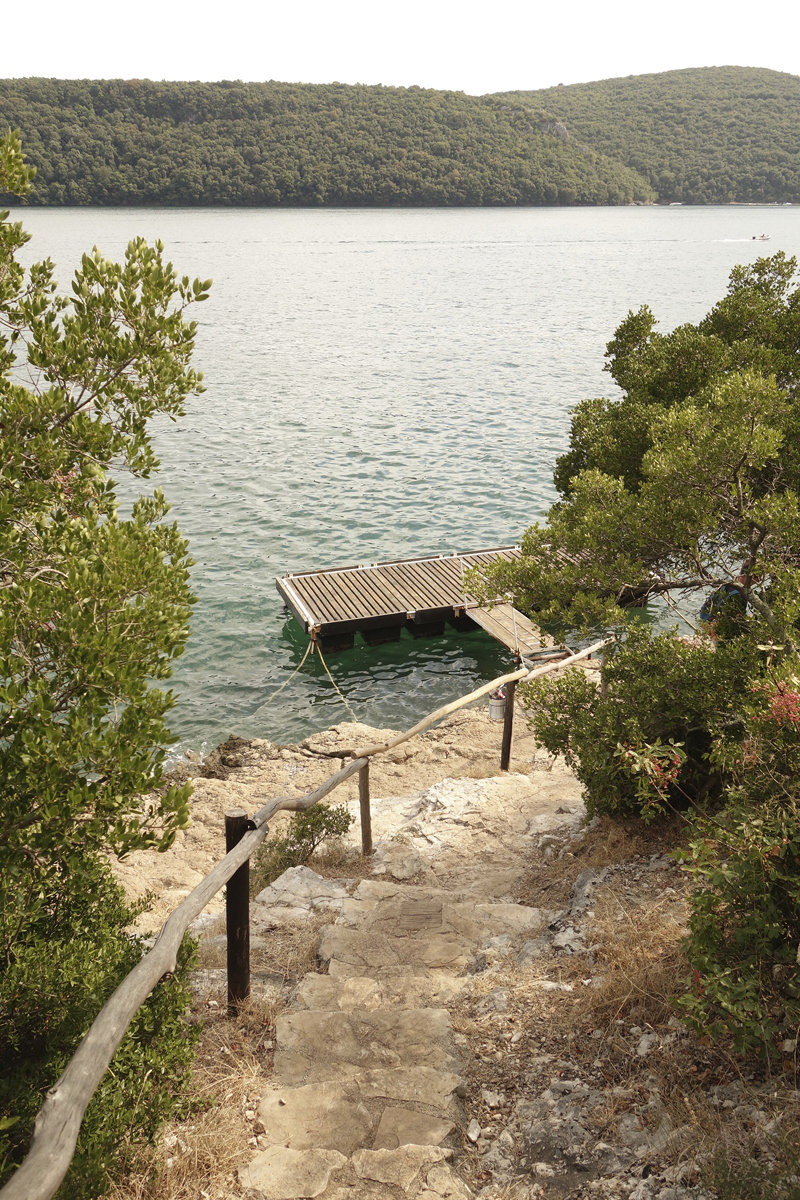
(706, 136)
(139, 142)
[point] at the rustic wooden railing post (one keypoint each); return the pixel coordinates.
(366, 815)
(237, 915)
(508, 726)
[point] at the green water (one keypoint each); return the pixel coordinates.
(385, 384)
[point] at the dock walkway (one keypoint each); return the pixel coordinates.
(379, 600)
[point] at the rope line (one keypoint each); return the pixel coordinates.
(283, 685)
(342, 696)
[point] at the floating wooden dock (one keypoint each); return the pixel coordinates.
(423, 595)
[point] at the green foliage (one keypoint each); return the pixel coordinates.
(642, 745)
(139, 142)
(689, 487)
(709, 135)
(307, 831)
(745, 925)
(59, 967)
(94, 610)
(692, 478)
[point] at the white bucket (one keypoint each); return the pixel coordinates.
(497, 710)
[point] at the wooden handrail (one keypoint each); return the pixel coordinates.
(523, 673)
(55, 1131)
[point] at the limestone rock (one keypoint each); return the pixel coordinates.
(279, 1173)
(398, 860)
(296, 893)
(421, 1085)
(330, 1045)
(404, 988)
(371, 952)
(401, 1167)
(318, 1116)
(441, 1182)
(403, 1126)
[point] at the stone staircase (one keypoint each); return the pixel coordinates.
(366, 1100)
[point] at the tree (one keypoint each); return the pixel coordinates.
(94, 609)
(688, 487)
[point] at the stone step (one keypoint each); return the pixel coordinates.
(334, 1045)
(375, 954)
(333, 1115)
(410, 1171)
(409, 912)
(405, 989)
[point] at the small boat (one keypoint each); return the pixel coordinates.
(760, 237)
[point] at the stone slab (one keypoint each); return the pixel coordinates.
(321, 1116)
(403, 1167)
(334, 1045)
(372, 952)
(404, 1127)
(279, 1173)
(342, 990)
(417, 1085)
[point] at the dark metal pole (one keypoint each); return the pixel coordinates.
(237, 915)
(366, 816)
(508, 725)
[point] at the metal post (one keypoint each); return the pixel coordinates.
(237, 915)
(366, 816)
(508, 725)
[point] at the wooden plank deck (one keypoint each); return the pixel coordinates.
(516, 631)
(420, 594)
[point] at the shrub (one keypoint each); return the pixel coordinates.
(663, 700)
(744, 942)
(56, 973)
(307, 831)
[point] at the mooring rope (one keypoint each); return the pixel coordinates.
(342, 696)
(283, 685)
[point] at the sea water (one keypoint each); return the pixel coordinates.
(383, 384)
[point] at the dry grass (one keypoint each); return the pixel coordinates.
(548, 883)
(290, 950)
(337, 860)
(639, 963)
(196, 1159)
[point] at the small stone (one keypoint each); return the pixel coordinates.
(249, 1115)
(496, 1001)
(473, 1130)
(647, 1043)
(789, 1045)
(490, 1099)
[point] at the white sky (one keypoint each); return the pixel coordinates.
(474, 47)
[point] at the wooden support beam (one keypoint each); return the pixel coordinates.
(366, 815)
(508, 725)
(237, 915)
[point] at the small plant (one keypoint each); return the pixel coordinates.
(307, 831)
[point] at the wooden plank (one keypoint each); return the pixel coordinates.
(324, 605)
(414, 587)
(499, 623)
(347, 602)
(384, 599)
(407, 584)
